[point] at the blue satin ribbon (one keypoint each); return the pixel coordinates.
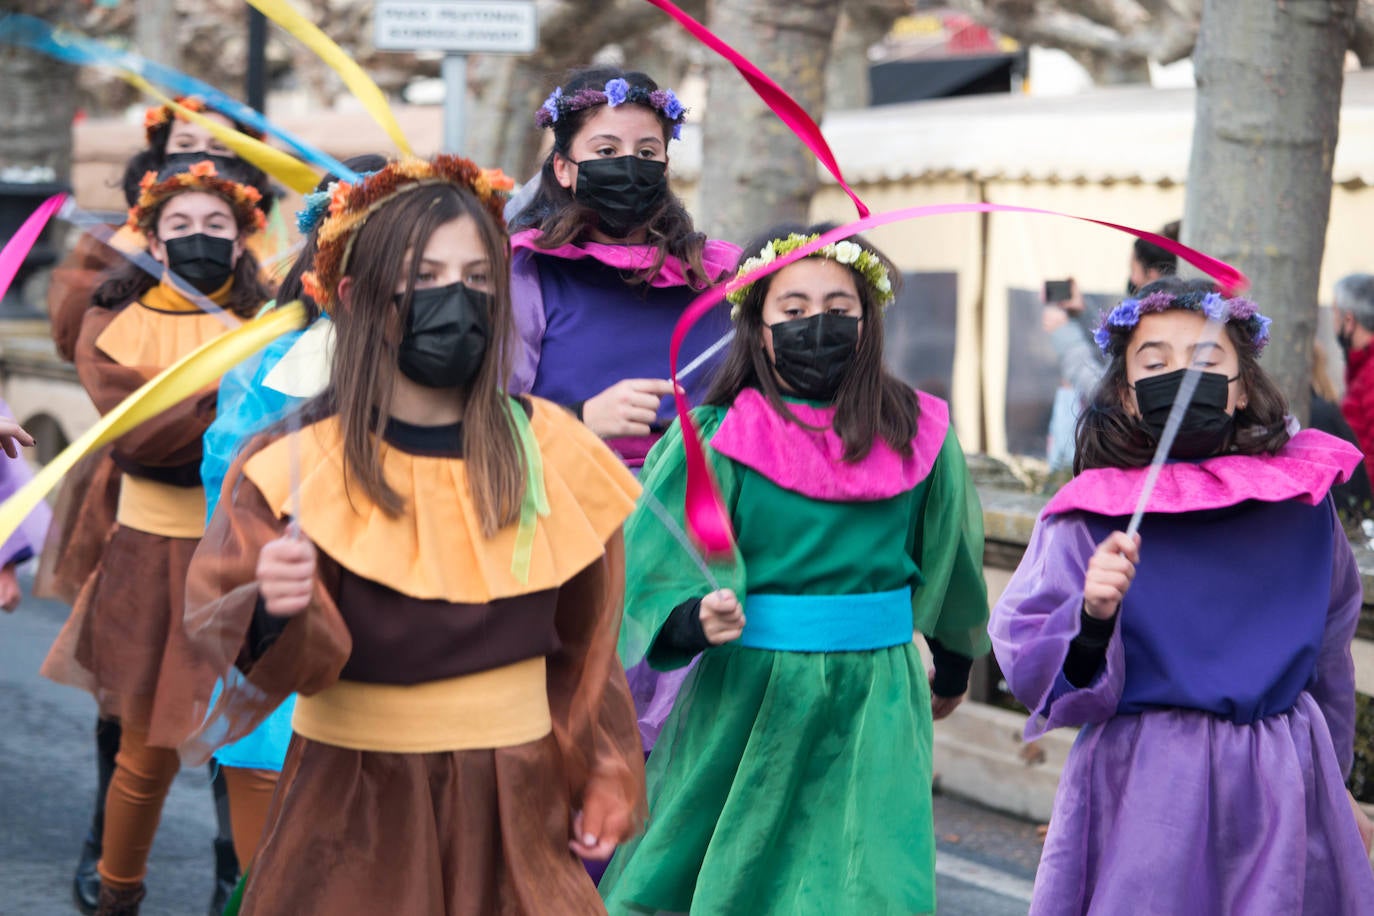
(37, 35)
(828, 623)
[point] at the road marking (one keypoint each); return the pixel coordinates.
(982, 876)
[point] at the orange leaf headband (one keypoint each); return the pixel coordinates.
(202, 176)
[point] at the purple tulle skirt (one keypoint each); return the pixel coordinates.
(1180, 811)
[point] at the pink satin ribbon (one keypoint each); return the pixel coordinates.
(707, 521)
(773, 95)
(22, 242)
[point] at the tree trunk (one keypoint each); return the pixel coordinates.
(863, 23)
(1259, 184)
(754, 171)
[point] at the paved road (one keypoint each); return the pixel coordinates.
(47, 781)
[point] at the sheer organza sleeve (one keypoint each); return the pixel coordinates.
(222, 605)
(1037, 618)
(593, 716)
(170, 439)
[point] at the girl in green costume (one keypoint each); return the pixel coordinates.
(793, 775)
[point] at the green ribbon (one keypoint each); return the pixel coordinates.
(536, 501)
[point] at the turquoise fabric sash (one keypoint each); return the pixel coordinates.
(828, 623)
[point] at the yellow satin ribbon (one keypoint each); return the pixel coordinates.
(170, 387)
(354, 77)
(284, 167)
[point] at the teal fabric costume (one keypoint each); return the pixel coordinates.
(797, 782)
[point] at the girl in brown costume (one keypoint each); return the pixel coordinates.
(87, 502)
(443, 588)
(124, 640)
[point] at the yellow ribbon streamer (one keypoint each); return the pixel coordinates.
(354, 77)
(168, 388)
(286, 168)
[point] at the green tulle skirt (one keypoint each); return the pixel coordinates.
(788, 783)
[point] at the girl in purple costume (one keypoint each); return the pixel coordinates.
(28, 540)
(1207, 659)
(605, 260)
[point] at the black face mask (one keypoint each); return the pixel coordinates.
(204, 261)
(812, 355)
(446, 336)
(1206, 424)
(1131, 289)
(230, 167)
(1346, 340)
(624, 191)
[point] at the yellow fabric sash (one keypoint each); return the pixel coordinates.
(161, 508)
(502, 707)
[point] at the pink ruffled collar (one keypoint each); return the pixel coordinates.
(1305, 469)
(719, 258)
(810, 462)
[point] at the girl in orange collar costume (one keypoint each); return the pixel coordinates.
(443, 590)
(124, 641)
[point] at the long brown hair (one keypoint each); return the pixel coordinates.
(871, 402)
(1110, 436)
(562, 219)
(369, 327)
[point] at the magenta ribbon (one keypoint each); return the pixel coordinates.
(773, 95)
(22, 242)
(707, 520)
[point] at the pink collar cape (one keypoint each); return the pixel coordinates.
(810, 462)
(1304, 469)
(719, 258)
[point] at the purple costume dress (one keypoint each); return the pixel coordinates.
(1209, 775)
(28, 539)
(582, 328)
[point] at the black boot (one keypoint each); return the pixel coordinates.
(86, 881)
(226, 876)
(226, 862)
(120, 903)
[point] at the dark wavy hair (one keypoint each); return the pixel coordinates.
(562, 219)
(1110, 436)
(871, 403)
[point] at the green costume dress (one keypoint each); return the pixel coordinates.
(799, 782)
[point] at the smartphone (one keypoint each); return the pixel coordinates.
(1058, 291)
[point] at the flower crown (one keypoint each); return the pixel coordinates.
(851, 254)
(317, 206)
(617, 92)
(350, 205)
(155, 117)
(1117, 325)
(242, 199)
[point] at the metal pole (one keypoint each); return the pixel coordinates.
(256, 78)
(455, 73)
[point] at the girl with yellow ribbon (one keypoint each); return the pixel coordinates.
(88, 498)
(442, 588)
(124, 641)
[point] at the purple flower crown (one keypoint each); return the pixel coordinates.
(617, 92)
(1214, 306)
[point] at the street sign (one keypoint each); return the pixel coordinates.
(456, 26)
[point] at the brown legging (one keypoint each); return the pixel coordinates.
(133, 807)
(250, 798)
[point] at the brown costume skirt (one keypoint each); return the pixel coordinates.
(81, 524)
(461, 833)
(126, 643)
